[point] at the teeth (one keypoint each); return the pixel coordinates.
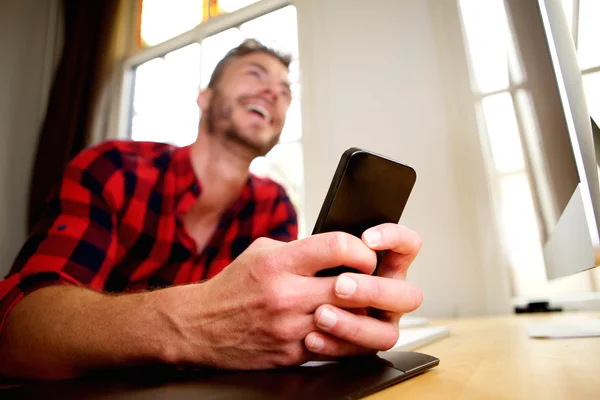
(259, 109)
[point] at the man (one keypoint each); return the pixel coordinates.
(151, 254)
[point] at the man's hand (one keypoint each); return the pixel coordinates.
(267, 308)
(383, 298)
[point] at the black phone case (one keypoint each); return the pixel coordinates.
(349, 164)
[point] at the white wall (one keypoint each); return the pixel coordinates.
(379, 75)
(29, 38)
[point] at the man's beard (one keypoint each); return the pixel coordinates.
(219, 122)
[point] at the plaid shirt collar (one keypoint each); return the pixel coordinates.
(188, 187)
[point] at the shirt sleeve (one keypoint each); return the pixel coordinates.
(284, 219)
(75, 241)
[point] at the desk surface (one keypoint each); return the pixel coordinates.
(484, 358)
(493, 358)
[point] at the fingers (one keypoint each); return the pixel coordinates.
(358, 331)
(326, 345)
(404, 245)
(357, 290)
(327, 250)
(395, 237)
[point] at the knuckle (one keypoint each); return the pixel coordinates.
(338, 243)
(353, 333)
(269, 263)
(374, 291)
(269, 259)
(285, 334)
(261, 242)
(390, 338)
(280, 302)
(412, 237)
(418, 243)
(281, 297)
(296, 352)
(291, 355)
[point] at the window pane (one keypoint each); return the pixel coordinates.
(487, 35)
(150, 86)
(589, 34)
(519, 224)
(181, 110)
(182, 67)
(293, 121)
(214, 49)
(294, 75)
(162, 20)
(179, 131)
(144, 128)
(591, 85)
(284, 164)
(227, 6)
(278, 30)
(503, 132)
(165, 95)
(186, 62)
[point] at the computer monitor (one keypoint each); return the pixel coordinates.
(596, 137)
(557, 136)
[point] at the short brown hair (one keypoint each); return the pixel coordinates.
(248, 46)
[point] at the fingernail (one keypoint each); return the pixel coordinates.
(372, 237)
(327, 319)
(345, 286)
(316, 343)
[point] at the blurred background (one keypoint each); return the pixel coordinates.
(430, 83)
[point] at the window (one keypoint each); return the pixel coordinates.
(180, 44)
(586, 31)
(503, 105)
(162, 20)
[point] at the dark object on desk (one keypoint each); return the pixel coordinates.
(536, 307)
(349, 379)
(366, 190)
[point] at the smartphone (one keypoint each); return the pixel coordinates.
(367, 190)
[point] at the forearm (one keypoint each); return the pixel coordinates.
(60, 332)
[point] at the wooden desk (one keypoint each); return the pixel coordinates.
(493, 358)
(484, 358)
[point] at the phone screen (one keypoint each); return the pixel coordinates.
(367, 190)
(370, 190)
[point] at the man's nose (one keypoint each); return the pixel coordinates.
(270, 91)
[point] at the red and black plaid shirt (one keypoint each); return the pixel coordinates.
(115, 223)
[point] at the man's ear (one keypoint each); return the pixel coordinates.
(204, 98)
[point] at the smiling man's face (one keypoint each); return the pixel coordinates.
(249, 102)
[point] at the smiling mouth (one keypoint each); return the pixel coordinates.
(260, 111)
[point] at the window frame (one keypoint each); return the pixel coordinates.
(212, 26)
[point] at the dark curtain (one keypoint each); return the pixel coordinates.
(89, 27)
